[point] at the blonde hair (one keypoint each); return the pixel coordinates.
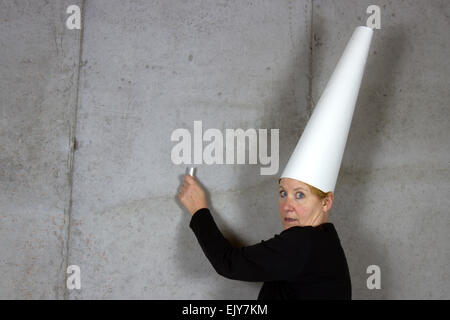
(318, 192)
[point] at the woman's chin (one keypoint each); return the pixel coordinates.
(288, 224)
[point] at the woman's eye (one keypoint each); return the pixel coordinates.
(282, 193)
(300, 195)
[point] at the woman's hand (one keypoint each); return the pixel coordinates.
(192, 195)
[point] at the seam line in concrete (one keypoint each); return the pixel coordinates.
(72, 141)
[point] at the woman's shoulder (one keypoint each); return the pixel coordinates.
(327, 226)
(309, 236)
(305, 233)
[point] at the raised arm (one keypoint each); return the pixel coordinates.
(280, 258)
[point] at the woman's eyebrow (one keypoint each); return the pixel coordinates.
(298, 188)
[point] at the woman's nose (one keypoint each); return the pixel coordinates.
(288, 204)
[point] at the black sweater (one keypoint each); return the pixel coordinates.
(299, 263)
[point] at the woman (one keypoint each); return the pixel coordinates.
(304, 261)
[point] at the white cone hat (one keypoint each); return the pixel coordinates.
(316, 159)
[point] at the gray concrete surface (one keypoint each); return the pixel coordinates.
(138, 70)
(38, 87)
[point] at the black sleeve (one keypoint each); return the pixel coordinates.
(280, 258)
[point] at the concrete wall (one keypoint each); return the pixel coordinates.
(38, 90)
(86, 176)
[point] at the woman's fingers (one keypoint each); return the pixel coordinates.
(192, 195)
(182, 191)
(186, 186)
(189, 179)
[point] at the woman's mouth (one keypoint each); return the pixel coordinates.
(290, 219)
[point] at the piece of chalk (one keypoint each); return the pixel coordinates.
(191, 171)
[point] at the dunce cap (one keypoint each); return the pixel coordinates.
(316, 159)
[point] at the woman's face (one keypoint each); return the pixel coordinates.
(299, 207)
